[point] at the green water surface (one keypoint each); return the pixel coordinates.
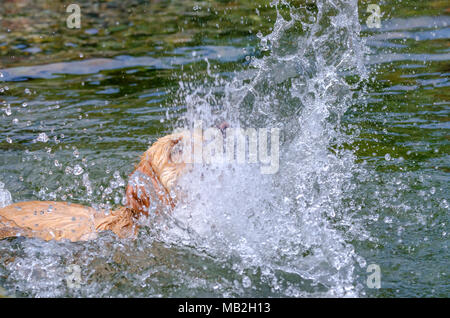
(103, 92)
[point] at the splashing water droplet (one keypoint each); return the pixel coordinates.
(42, 137)
(77, 170)
(68, 170)
(246, 282)
(5, 196)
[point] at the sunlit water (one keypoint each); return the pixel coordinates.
(363, 176)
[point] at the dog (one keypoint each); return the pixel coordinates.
(148, 191)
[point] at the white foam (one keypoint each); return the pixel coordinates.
(289, 221)
(5, 196)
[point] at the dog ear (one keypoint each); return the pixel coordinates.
(138, 198)
(137, 202)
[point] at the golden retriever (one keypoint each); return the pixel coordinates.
(148, 190)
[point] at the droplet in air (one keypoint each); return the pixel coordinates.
(387, 157)
(246, 282)
(42, 137)
(5, 196)
(77, 170)
(68, 170)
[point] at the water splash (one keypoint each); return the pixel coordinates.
(5, 196)
(237, 232)
(287, 223)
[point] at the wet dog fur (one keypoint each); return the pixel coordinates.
(148, 190)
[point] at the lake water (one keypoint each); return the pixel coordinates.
(363, 108)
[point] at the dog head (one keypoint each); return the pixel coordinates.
(151, 185)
